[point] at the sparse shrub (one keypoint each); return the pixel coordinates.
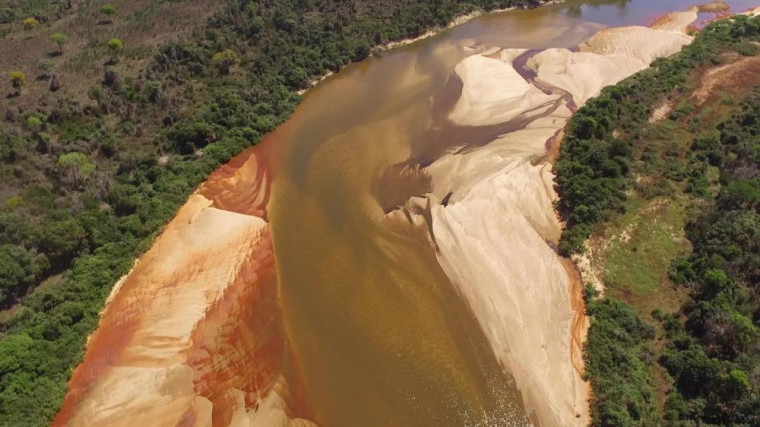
(153, 91)
(109, 11)
(60, 40)
(225, 59)
(17, 79)
(55, 83)
(110, 78)
(31, 23)
(95, 93)
(7, 15)
(74, 168)
(14, 202)
(115, 46)
(45, 66)
(34, 124)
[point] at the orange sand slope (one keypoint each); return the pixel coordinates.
(193, 334)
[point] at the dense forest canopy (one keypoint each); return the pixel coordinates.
(699, 365)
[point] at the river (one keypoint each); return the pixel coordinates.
(378, 322)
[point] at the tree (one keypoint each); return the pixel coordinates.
(34, 124)
(61, 239)
(109, 11)
(59, 39)
(31, 23)
(115, 46)
(225, 59)
(18, 268)
(584, 127)
(74, 168)
(17, 79)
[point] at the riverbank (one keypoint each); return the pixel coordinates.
(458, 20)
(659, 249)
(519, 289)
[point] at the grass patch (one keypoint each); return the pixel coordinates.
(640, 245)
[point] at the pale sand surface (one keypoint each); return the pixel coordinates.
(492, 235)
(491, 241)
(607, 58)
(516, 286)
(715, 7)
(582, 74)
(273, 410)
(494, 93)
(642, 43)
(661, 112)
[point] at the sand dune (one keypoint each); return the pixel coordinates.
(642, 43)
(492, 234)
(755, 11)
(610, 56)
(491, 241)
(582, 74)
(481, 105)
(193, 334)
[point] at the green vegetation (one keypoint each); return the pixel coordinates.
(41, 10)
(108, 10)
(617, 365)
(92, 177)
(60, 40)
(31, 23)
(649, 239)
(17, 79)
(115, 46)
(697, 173)
(715, 357)
(225, 59)
(595, 160)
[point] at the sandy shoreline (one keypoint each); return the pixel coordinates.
(491, 235)
(175, 338)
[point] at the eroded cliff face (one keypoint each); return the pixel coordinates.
(193, 334)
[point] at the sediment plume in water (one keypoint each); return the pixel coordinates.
(376, 263)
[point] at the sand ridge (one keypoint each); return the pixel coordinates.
(175, 342)
(491, 235)
(481, 105)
